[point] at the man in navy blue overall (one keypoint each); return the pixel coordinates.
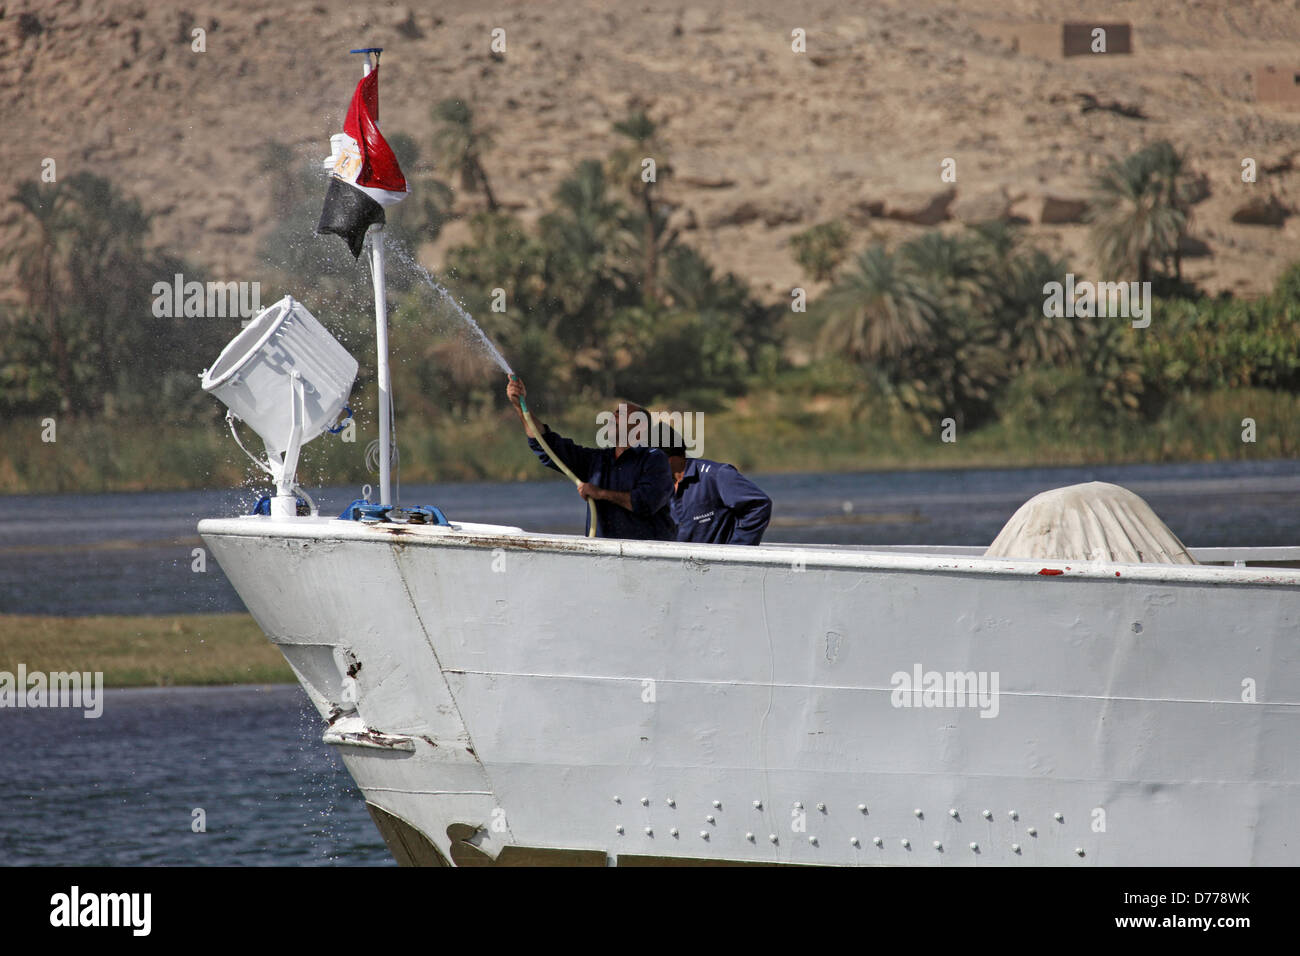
(631, 486)
(712, 501)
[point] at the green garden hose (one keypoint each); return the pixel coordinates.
(537, 432)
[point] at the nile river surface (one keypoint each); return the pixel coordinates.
(122, 789)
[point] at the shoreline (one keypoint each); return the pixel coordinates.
(133, 651)
(776, 434)
(980, 460)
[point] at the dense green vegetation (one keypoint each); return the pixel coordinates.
(600, 298)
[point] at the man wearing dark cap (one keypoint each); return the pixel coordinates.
(630, 485)
(713, 502)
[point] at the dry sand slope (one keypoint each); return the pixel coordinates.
(763, 142)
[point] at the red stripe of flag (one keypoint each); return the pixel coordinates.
(379, 169)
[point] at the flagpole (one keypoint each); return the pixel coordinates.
(385, 385)
(381, 347)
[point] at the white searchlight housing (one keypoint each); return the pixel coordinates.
(289, 379)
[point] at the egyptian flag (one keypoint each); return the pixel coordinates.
(364, 173)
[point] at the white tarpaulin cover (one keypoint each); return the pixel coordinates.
(1089, 522)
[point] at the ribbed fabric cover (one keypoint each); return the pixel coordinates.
(1089, 522)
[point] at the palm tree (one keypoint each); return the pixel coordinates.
(689, 280)
(1174, 179)
(460, 145)
(1016, 278)
(436, 202)
(586, 217)
(625, 167)
(582, 234)
(81, 270)
(422, 220)
(40, 264)
(1037, 339)
(877, 310)
(966, 360)
(954, 266)
(107, 256)
(110, 232)
(1140, 210)
(998, 245)
(963, 368)
(35, 258)
(691, 284)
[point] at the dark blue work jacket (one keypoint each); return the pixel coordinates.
(715, 503)
(642, 471)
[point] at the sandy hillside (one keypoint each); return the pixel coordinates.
(763, 142)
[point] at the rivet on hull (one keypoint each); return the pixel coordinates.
(988, 814)
(772, 837)
(953, 813)
(1079, 850)
(758, 804)
(877, 841)
(1013, 815)
(1032, 831)
(917, 813)
(854, 841)
(821, 807)
(645, 801)
(1058, 817)
(862, 807)
(907, 844)
(673, 831)
(798, 804)
(717, 804)
(617, 798)
(671, 802)
(1015, 848)
(619, 829)
(709, 819)
(749, 837)
(704, 834)
(649, 831)
(975, 847)
(938, 845)
(812, 840)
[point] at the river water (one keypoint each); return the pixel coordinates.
(122, 789)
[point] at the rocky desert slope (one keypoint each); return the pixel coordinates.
(763, 142)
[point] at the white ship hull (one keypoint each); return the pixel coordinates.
(661, 702)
